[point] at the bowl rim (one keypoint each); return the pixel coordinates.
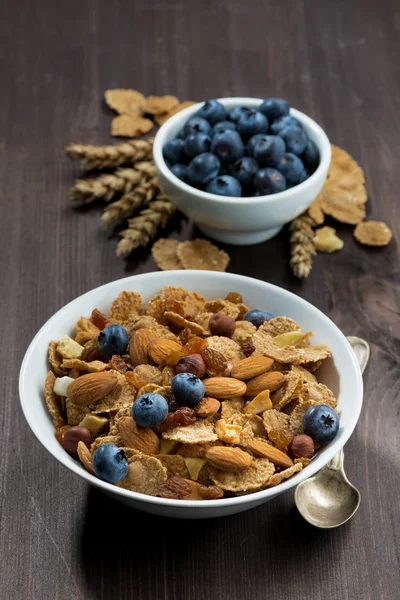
(323, 146)
(307, 472)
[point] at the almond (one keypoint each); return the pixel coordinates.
(91, 388)
(228, 459)
(162, 348)
(269, 381)
(140, 438)
(139, 346)
(224, 387)
(208, 407)
(264, 450)
(251, 367)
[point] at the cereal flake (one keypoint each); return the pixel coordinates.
(200, 432)
(257, 475)
(145, 475)
(157, 105)
(94, 366)
(125, 102)
(125, 304)
(373, 233)
(85, 457)
(130, 126)
(202, 254)
(121, 396)
(53, 402)
(165, 256)
(278, 477)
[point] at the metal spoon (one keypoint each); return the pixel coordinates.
(328, 499)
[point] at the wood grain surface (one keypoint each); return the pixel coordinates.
(337, 61)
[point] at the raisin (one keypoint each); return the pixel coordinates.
(134, 380)
(211, 492)
(280, 438)
(185, 416)
(189, 318)
(60, 432)
(168, 422)
(248, 348)
(175, 488)
(118, 364)
(194, 345)
(91, 351)
(234, 297)
(99, 319)
(172, 403)
(214, 360)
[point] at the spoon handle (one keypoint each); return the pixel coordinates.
(361, 350)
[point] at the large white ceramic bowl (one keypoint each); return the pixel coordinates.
(341, 373)
(240, 221)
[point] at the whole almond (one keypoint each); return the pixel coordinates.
(224, 387)
(264, 450)
(140, 438)
(139, 346)
(269, 381)
(91, 388)
(207, 407)
(251, 367)
(162, 348)
(228, 459)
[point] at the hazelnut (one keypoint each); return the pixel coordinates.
(220, 324)
(194, 364)
(73, 436)
(301, 446)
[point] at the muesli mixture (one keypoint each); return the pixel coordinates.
(189, 399)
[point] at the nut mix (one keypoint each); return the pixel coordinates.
(167, 411)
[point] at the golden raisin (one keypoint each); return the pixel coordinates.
(234, 297)
(173, 358)
(134, 380)
(172, 305)
(99, 319)
(174, 488)
(60, 432)
(185, 416)
(280, 438)
(194, 346)
(211, 492)
(214, 360)
(118, 364)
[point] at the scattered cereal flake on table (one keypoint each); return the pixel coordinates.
(53, 402)
(75, 413)
(125, 304)
(373, 233)
(200, 432)
(157, 105)
(288, 390)
(344, 170)
(125, 101)
(85, 330)
(278, 477)
(202, 254)
(85, 457)
(165, 256)
(280, 325)
(162, 118)
(130, 126)
(343, 207)
(185, 323)
(121, 396)
(326, 240)
(315, 211)
(94, 366)
(258, 474)
(106, 439)
(274, 419)
(265, 346)
(243, 332)
(145, 475)
(55, 359)
(175, 465)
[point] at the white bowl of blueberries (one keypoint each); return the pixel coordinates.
(241, 168)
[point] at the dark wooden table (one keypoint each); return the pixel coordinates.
(337, 61)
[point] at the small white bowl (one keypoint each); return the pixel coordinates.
(341, 373)
(240, 221)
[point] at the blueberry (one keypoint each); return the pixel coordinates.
(187, 389)
(223, 126)
(237, 112)
(273, 108)
(269, 181)
(253, 141)
(310, 156)
(196, 143)
(196, 125)
(269, 151)
(283, 122)
(180, 171)
(292, 169)
(225, 185)
(294, 138)
(174, 152)
(257, 316)
(321, 423)
(203, 168)
(113, 340)
(228, 146)
(251, 123)
(244, 170)
(149, 410)
(212, 111)
(110, 463)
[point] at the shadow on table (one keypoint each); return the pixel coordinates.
(124, 552)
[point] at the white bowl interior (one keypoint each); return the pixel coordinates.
(341, 373)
